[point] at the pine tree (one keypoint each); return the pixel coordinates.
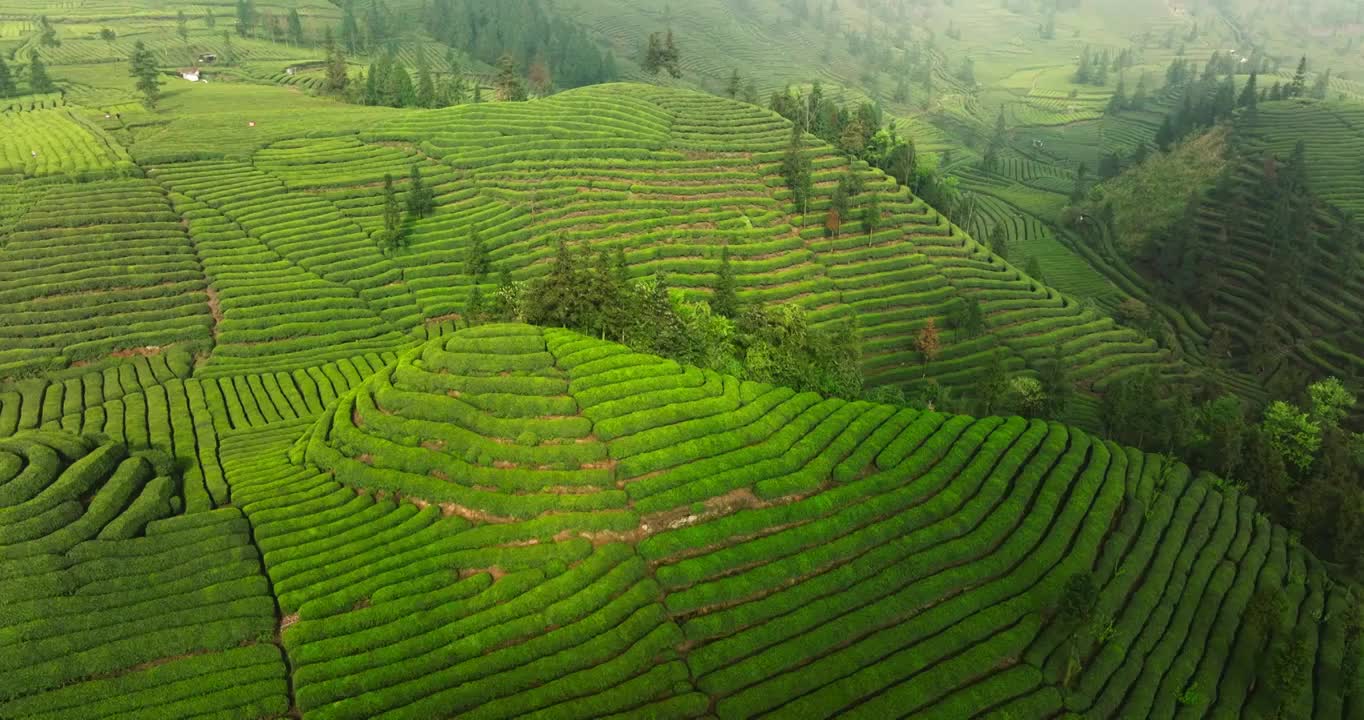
(999, 244)
(997, 141)
(337, 77)
(426, 87)
(871, 215)
(421, 199)
(143, 69)
(1299, 84)
(229, 52)
(246, 17)
(796, 171)
(7, 84)
(38, 79)
(295, 27)
(473, 307)
(182, 26)
(1138, 101)
(393, 215)
(476, 263)
(508, 82)
(726, 299)
(1249, 94)
(732, 89)
(210, 20)
(350, 29)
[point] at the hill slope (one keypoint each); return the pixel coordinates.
(281, 218)
(757, 550)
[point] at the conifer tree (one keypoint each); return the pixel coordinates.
(796, 170)
(7, 84)
(182, 26)
(295, 27)
(476, 263)
(143, 69)
(393, 215)
(337, 77)
(426, 87)
(726, 299)
(871, 215)
(1299, 84)
(732, 89)
(421, 200)
(508, 82)
(1249, 95)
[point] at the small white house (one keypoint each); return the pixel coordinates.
(190, 74)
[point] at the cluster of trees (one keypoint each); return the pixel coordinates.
(1298, 458)
(592, 292)
(388, 82)
(737, 89)
(527, 30)
(252, 23)
(1094, 67)
(661, 53)
(38, 79)
(420, 200)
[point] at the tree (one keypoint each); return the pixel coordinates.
(1078, 598)
(246, 17)
(337, 74)
(928, 343)
(142, 67)
(38, 79)
(508, 82)
(1331, 402)
(732, 88)
(796, 171)
(726, 300)
(7, 85)
(838, 208)
(421, 199)
(1292, 667)
(473, 306)
(1026, 396)
(1299, 84)
(425, 95)
(1249, 95)
(351, 37)
(47, 34)
(750, 95)
(1292, 434)
(994, 388)
(1057, 387)
(108, 35)
(999, 241)
(662, 54)
(393, 216)
(295, 27)
(1034, 270)
(871, 215)
(210, 20)
(540, 79)
(229, 52)
(182, 26)
(997, 141)
(476, 263)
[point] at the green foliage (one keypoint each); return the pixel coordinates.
(1293, 434)
(142, 67)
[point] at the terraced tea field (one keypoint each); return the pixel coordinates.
(511, 521)
(250, 466)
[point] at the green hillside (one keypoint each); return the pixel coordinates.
(669, 177)
(870, 358)
(510, 521)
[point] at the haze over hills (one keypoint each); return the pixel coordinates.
(591, 358)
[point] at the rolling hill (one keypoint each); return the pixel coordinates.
(232, 202)
(510, 521)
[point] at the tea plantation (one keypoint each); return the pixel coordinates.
(512, 521)
(254, 465)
